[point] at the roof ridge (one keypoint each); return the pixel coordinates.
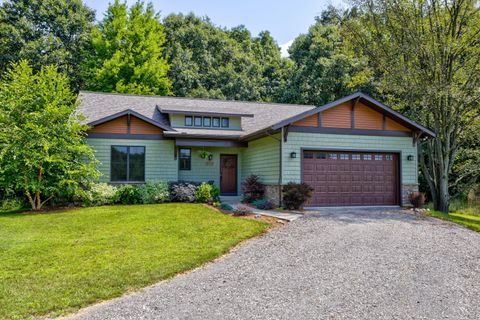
(201, 99)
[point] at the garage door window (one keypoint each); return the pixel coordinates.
(308, 155)
(367, 157)
(344, 156)
(321, 156)
(355, 157)
(332, 156)
(378, 157)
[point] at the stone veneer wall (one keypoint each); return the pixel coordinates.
(272, 193)
(406, 190)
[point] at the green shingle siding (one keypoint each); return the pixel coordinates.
(203, 170)
(298, 140)
(262, 157)
(159, 157)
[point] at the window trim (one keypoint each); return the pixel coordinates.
(179, 157)
(191, 121)
(128, 164)
(228, 122)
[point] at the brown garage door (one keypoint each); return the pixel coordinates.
(351, 178)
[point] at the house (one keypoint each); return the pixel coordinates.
(353, 151)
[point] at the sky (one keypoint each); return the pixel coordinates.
(284, 19)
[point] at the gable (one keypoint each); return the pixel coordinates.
(121, 125)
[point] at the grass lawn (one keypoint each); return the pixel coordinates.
(471, 221)
(54, 263)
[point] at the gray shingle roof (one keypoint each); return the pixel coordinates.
(97, 105)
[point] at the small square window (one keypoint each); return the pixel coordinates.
(378, 157)
(344, 156)
(332, 156)
(308, 155)
(188, 121)
(321, 156)
(215, 122)
(367, 157)
(389, 157)
(225, 122)
(185, 159)
(198, 121)
(207, 121)
(355, 157)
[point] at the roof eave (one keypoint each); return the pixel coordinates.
(128, 112)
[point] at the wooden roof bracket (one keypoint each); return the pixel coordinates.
(285, 133)
(416, 136)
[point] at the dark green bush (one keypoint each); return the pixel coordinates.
(295, 195)
(128, 194)
(226, 207)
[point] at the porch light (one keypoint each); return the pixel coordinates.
(410, 157)
(293, 155)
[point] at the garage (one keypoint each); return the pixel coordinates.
(342, 178)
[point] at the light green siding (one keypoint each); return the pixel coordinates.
(178, 121)
(298, 140)
(204, 170)
(159, 157)
(262, 158)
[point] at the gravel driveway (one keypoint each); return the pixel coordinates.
(334, 264)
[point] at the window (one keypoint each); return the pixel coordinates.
(225, 122)
(127, 163)
(367, 157)
(198, 121)
(215, 122)
(308, 155)
(332, 156)
(355, 157)
(188, 121)
(321, 156)
(389, 157)
(378, 157)
(207, 121)
(344, 156)
(185, 159)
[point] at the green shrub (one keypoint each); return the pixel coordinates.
(128, 194)
(155, 192)
(295, 195)
(226, 207)
(182, 191)
(252, 188)
(203, 194)
(99, 194)
(11, 204)
(262, 204)
(215, 193)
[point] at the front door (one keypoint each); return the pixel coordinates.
(228, 174)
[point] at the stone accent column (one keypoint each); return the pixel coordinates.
(272, 193)
(406, 190)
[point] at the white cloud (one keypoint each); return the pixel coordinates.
(284, 47)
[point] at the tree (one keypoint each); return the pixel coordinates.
(127, 52)
(212, 62)
(42, 148)
(45, 32)
(428, 53)
(325, 68)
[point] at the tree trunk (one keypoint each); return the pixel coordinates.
(442, 199)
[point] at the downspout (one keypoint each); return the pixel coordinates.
(280, 165)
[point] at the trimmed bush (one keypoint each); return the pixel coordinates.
(155, 192)
(99, 194)
(128, 194)
(182, 191)
(203, 194)
(215, 193)
(226, 207)
(295, 195)
(262, 204)
(242, 210)
(417, 199)
(252, 188)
